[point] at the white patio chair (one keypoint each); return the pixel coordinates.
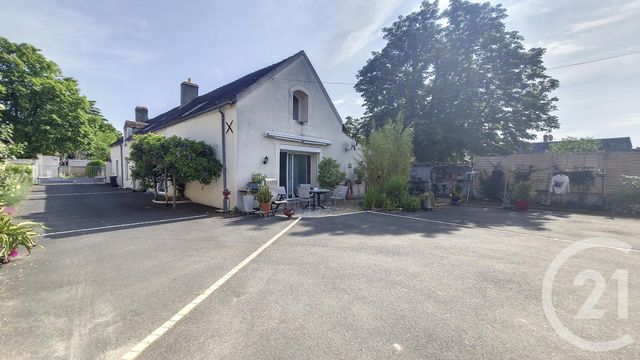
(304, 195)
(279, 198)
(339, 193)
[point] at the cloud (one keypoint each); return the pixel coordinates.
(74, 40)
(365, 27)
(608, 15)
(563, 47)
(339, 101)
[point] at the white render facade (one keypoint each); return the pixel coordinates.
(285, 116)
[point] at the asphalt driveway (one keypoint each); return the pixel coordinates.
(459, 283)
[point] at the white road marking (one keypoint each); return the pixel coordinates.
(500, 231)
(157, 333)
(43, 196)
(124, 225)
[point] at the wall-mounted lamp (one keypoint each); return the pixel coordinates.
(349, 166)
(265, 160)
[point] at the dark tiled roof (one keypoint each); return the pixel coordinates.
(215, 99)
(608, 144)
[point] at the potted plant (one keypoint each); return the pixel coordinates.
(257, 179)
(455, 198)
(523, 192)
(264, 197)
(428, 201)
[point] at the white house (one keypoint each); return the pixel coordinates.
(278, 120)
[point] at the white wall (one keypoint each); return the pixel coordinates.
(268, 107)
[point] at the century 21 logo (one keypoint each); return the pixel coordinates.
(588, 309)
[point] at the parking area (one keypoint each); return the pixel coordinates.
(458, 283)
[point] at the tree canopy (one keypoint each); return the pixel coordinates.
(462, 81)
(574, 144)
(46, 109)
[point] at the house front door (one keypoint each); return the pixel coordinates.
(295, 169)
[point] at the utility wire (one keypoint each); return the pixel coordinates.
(635, 52)
(596, 60)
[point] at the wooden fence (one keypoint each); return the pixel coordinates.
(609, 165)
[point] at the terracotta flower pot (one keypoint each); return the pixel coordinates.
(265, 207)
(288, 212)
(522, 205)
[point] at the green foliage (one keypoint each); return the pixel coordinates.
(183, 160)
(412, 203)
(359, 171)
(524, 191)
(46, 109)
(356, 128)
(573, 144)
(14, 235)
(385, 203)
(397, 189)
(388, 152)
(15, 183)
(329, 174)
(95, 163)
(370, 198)
(147, 153)
(258, 178)
(462, 81)
(264, 195)
(630, 196)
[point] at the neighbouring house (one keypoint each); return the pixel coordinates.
(278, 120)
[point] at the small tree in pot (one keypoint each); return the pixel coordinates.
(264, 197)
(523, 193)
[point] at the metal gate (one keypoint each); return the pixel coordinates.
(47, 174)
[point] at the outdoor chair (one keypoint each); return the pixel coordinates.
(305, 196)
(279, 198)
(339, 193)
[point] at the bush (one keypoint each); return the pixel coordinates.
(14, 235)
(385, 203)
(329, 174)
(397, 189)
(95, 163)
(412, 203)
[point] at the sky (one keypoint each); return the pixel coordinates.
(129, 53)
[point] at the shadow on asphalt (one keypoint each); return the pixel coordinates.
(67, 207)
(444, 221)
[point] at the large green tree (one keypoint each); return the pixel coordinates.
(45, 108)
(462, 81)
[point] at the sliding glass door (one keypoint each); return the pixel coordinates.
(295, 169)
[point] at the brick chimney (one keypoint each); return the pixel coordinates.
(188, 92)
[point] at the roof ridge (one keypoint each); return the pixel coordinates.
(213, 99)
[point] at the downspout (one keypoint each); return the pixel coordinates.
(122, 162)
(225, 199)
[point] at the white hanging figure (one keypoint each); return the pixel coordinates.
(559, 184)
